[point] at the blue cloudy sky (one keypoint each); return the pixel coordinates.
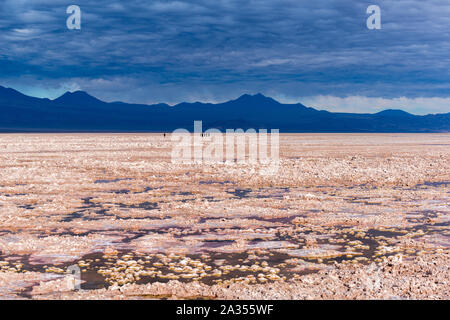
(318, 52)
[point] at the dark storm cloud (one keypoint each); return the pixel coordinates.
(148, 51)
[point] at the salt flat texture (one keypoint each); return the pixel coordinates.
(346, 216)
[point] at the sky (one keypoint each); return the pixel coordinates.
(319, 53)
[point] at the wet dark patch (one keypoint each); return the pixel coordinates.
(26, 206)
(216, 182)
(89, 204)
(384, 233)
(185, 193)
(93, 211)
(216, 243)
(277, 193)
(282, 220)
(144, 205)
(90, 277)
(146, 189)
(211, 199)
(240, 193)
(363, 200)
(424, 216)
(438, 184)
(112, 180)
(73, 216)
(122, 191)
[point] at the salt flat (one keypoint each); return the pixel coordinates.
(345, 216)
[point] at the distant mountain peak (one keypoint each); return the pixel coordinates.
(77, 93)
(77, 97)
(256, 98)
(393, 112)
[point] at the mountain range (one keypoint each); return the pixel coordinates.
(80, 112)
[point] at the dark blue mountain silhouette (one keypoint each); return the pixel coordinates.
(81, 112)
